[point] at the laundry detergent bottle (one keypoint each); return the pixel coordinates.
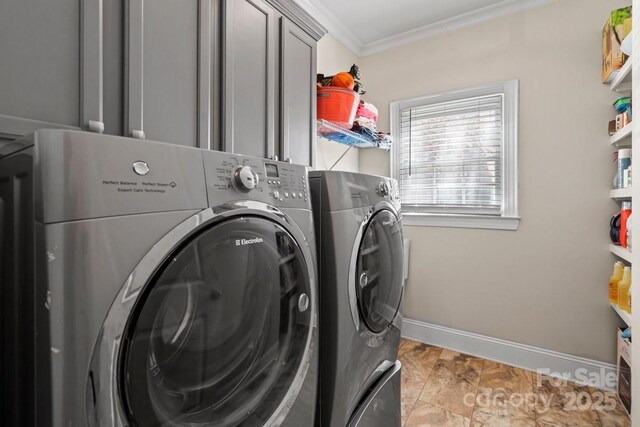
(616, 276)
(624, 302)
(625, 213)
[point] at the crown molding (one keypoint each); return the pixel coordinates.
(344, 35)
(506, 7)
(300, 16)
(333, 25)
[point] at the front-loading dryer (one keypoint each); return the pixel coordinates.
(360, 258)
(154, 285)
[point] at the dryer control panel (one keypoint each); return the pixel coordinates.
(347, 190)
(232, 177)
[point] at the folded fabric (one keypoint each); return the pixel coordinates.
(367, 110)
(365, 122)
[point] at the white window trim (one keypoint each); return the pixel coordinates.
(509, 220)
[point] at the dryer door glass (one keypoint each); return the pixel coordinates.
(222, 331)
(379, 271)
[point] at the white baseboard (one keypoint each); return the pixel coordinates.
(574, 368)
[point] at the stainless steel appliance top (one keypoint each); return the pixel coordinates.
(82, 175)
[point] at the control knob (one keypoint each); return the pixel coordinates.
(384, 188)
(244, 178)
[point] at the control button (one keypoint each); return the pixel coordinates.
(305, 199)
(268, 181)
(278, 182)
(300, 194)
(244, 178)
(276, 195)
(384, 188)
(286, 194)
(140, 167)
(293, 195)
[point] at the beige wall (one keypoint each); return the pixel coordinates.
(334, 57)
(545, 284)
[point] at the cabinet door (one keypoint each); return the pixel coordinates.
(51, 73)
(298, 87)
(168, 74)
(113, 65)
(249, 100)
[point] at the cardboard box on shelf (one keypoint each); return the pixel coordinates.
(622, 120)
(624, 370)
(617, 27)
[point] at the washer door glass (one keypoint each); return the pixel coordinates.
(379, 271)
(220, 335)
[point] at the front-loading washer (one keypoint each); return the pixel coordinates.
(149, 284)
(360, 258)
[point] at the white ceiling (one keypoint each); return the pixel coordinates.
(371, 26)
(372, 20)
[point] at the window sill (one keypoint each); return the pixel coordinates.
(461, 221)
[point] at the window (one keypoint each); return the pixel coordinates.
(455, 157)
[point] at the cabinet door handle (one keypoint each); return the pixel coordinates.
(138, 134)
(274, 158)
(289, 160)
(96, 126)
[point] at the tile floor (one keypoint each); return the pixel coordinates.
(441, 387)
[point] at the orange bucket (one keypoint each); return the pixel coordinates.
(338, 105)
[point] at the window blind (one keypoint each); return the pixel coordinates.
(450, 156)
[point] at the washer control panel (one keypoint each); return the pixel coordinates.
(287, 182)
(232, 177)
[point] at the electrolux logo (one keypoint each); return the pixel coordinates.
(390, 222)
(244, 242)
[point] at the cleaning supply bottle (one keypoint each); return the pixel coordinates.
(625, 212)
(623, 290)
(615, 277)
(624, 161)
(629, 223)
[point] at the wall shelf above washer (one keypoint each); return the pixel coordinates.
(333, 132)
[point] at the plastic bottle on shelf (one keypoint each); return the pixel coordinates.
(615, 277)
(627, 307)
(625, 212)
(626, 179)
(623, 290)
(624, 161)
(629, 224)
